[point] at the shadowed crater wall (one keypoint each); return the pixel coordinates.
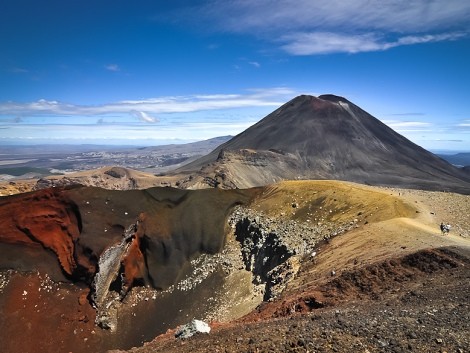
(77, 225)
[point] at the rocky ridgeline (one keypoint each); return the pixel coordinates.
(106, 181)
(44, 183)
(273, 249)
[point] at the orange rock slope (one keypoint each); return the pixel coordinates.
(45, 218)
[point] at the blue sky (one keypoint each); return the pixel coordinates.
(151, 72)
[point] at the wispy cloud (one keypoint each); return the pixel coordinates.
(449, 140)
(326, 42)
(294, 15)
(407, 114)
(328, 26)
(112, 67)
(255, 64)
(18, 70)
(463, 126)
(144, 117)
(144, 109)
(408, 126)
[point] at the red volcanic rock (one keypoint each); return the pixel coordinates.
(134, 261)
(83, 298)
(44, 218)
(134, 264)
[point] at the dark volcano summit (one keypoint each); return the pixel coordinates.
(328, 138)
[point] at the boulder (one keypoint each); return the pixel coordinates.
(192, 328)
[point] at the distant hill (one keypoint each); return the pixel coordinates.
(28, 162)
(192, 147)
(459, 159)
(325, 137)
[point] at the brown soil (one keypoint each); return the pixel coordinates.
(417, 303)
(39, 315)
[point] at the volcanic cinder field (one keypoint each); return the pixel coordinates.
(315, 230)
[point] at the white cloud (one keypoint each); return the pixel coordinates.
(326, 42)
(408, 126)
(199, 117)
(463, 127)
(408, 114)
(144, 117)
(144, 108)
(299, 15)
(323, 43)
(396, 123)
(255, 64)
(444, 140)
(112, 67)
(324, 26)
